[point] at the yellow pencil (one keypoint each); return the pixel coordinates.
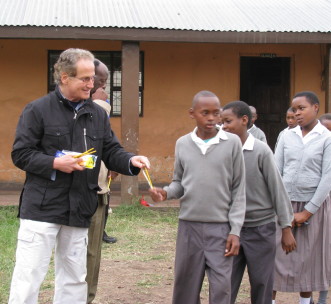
(91, 151)
(148, 178)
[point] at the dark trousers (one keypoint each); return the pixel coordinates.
(94, 246)
(106, 213)
(257, 251)
(200, 247)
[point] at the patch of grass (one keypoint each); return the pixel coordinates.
(150, 280)
(139, 230)
(9, 224)
(8, 237)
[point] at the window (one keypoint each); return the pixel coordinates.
(113, 60)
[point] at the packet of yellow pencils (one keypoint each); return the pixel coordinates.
(88, 162)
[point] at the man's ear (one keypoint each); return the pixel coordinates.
(190, 112)
(64, 78)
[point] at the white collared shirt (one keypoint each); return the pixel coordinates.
(249, 143)
(251, 128)
(317, 130)
(203, 146)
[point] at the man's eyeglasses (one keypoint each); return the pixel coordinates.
(85, 79)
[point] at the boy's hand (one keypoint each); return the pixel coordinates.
(232, 245)
(158, 194)
(288, 240)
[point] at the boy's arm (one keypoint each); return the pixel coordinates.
(288, 240)
(175, 190)
(238, 207)
(280, 200)
(279, 197)
(279, 154)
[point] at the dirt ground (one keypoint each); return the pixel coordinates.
(144, 282)
(151, 282)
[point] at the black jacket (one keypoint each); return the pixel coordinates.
(49, 124)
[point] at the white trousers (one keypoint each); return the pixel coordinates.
(36, 241)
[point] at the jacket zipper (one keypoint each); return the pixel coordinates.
(84, 130)
(85, 139)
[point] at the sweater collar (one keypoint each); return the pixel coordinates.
(249, 143)
(215, 140)
(204, 146)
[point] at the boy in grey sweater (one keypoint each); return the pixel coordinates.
(253, 129)
(209, 179)
(266, 197)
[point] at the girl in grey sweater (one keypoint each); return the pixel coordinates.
(303, 157)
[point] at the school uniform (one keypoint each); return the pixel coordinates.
(280, 135)
(209, 179)
(257, 133)
(304, 163)
(266, 197)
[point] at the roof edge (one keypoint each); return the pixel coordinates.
(130, 34)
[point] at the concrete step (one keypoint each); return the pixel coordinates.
(11, 197)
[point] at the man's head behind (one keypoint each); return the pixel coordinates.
(254, 114)
(101, 75)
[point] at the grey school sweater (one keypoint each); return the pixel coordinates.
(211, 187)
(257, 133)
(266, 195)
(305, 168)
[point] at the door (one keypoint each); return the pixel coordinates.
(265, 84)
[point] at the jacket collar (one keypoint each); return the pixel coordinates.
(66, 101)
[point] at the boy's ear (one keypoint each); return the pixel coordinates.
(190, 111)
(245, 120)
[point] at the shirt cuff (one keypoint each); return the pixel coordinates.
(311, 207)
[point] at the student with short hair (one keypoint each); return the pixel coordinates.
(266, 198)
(209, 179)
(253, 129)
(303, 157)
(325, 120)
(291, 123)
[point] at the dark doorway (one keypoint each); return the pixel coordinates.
(265, 84)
